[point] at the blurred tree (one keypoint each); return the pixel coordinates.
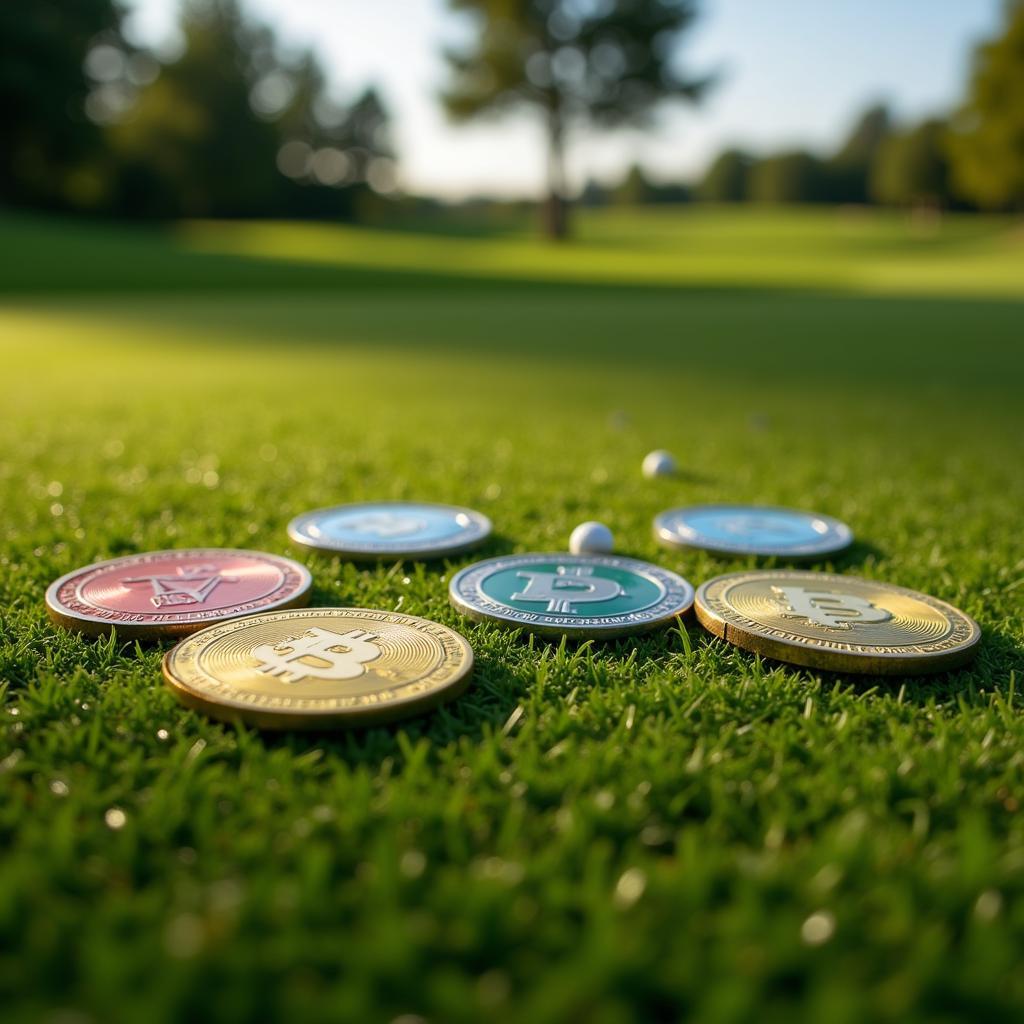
(912, 167)
(726, 180)
(794, 177)
(43, 90)
(634, 189)
(605, 64)
(231, 130)
(986, 144)
(849, 169)
(199, 141)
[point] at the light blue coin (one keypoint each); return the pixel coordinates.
(390, 529)
(752, 530)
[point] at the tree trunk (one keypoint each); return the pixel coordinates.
(556, 205)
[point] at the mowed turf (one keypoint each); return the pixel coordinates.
(644, 830)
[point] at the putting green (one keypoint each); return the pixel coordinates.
(625, 831)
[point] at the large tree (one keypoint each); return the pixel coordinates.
(849, 169)
(986, 144)
(603, 63)
(912, 167)
(43, 90)
(231, 129)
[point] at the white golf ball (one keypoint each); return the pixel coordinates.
(658, 463)
(591, 539)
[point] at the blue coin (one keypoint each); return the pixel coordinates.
(390, 529)
(752, 530)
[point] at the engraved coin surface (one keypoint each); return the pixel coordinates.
(162, 593)
(319, 668)
(599, 596)
(840, 623)
(390, 529)
(752, 530)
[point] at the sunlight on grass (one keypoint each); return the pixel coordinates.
(858, 251)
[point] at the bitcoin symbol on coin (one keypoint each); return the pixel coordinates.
(834, 611)
(567, 587)
(318, 654)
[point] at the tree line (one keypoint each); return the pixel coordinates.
(971, 159)
(233, 127)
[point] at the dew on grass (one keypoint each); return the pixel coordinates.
(493, 987)
(183, 937)
(59, 788)
(412, 864)
(163, 735)
(818, 928)
(115, 818)
(988, 905)
(630, 887)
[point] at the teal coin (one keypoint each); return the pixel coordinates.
(579, 596)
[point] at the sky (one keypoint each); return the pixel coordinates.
(792, 72)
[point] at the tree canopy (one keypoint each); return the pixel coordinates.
(43, 90)
(597, 64)
(986, 144)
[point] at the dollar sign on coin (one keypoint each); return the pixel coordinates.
(835, 622)
(319, 668)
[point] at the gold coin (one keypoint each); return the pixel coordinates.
(840, 623)
(319, 668)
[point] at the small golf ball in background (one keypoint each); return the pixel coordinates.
(591, 539)
(658, 463)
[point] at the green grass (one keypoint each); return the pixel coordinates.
(641, 830)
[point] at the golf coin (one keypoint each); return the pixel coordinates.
(319, 668)
(390, 529)
(752, 530)
(578, 596)
(174, 592)
(840, 623)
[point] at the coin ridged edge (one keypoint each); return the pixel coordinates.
(803, 552)
(668, 579)
(793, 653)
(97, 625)
(303, 719)
(426, 551)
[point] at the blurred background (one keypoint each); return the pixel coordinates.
(404, 110)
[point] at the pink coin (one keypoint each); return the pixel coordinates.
(175, 592)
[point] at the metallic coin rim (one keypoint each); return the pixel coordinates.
(677, 601)
(839, 537)
(99, 625)
(304, 719)
(478, 531)
(797, 652)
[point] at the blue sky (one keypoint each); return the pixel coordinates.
(794, 72)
